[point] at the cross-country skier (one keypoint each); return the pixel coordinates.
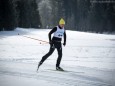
(55, 43)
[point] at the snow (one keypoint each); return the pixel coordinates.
(89, 59)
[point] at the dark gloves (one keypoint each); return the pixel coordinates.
(50, 42)
(64, 43)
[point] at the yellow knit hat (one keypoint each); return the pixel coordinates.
(61, 21)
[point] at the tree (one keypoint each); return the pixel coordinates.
(1, 15)
(35, 18)
(8, 15)
(45, 13)
(28, 14)
(110, 17)
(81, 15)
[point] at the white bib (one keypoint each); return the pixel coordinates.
(59, 32)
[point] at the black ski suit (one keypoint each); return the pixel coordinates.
(55, 42)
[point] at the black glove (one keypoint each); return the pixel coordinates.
(50, 42)
(64, 43)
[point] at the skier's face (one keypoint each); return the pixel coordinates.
(61, 25)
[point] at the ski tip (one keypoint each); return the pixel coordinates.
(37, 70)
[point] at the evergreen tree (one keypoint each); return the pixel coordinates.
(8, 15)
(85, 15)
(35, 18)
(110, 17)
(28, 14)
(1, 15)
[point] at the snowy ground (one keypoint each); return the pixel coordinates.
(89, 59)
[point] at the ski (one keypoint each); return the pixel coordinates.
(38, 67)
(57, 70)
(65, 71)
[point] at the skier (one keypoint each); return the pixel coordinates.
(55, 42)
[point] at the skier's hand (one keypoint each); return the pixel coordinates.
(50, 42)
(64, 43)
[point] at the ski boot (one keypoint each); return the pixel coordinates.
(39, 65)
(59, 69)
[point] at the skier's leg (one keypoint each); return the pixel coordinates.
(52, 48)
(46, 56)
(59, 56)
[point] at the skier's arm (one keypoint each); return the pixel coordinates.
(64, 39)
(52, 31)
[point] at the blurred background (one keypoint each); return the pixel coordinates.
(80, 15)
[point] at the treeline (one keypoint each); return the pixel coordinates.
(81, 15)
(19, 13)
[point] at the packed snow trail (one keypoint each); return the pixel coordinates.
(88, 58)
(27, 70)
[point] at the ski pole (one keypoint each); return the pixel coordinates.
(36, 39)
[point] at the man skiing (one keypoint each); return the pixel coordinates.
(55, 42)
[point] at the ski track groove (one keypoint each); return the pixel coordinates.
(60, 78)
(67, 82)
(45, 75)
